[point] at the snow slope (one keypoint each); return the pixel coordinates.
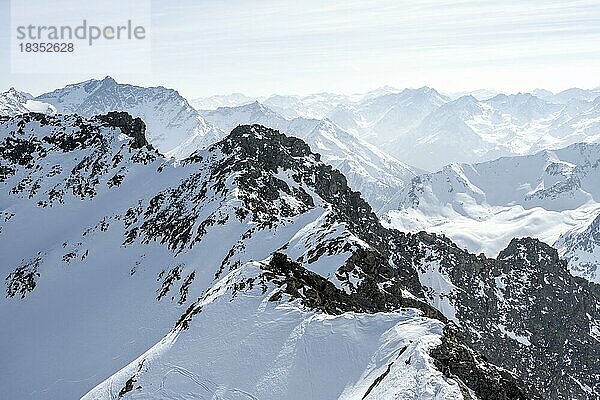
(174, 127)
(243, 346)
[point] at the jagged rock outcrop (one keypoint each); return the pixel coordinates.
(132, 127)
(523, 311)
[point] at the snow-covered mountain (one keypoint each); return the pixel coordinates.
(313, 106)
(580, 246)
(385, 118)
(13, 102)
(216, 101)
(227, 118)
(429, 130)
(542, 93)
(252, 270)
(470, 130)
(483, 206)
(377, 175)
(479, 94)
(575, 94)
(147, 238)
(174, 127)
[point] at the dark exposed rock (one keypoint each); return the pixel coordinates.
(321, 294)
(461, 363)
(132, 127)
(128, 387)
(524, 312)
(183, 290)
(381, 377)
(23, 279)
(173, 275)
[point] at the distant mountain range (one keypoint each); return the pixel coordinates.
(377, 175)
(420, 127)
(427, 129)
(483, 206)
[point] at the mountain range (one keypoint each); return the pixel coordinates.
(429, 130)
(253, 255)
(277, 248)
(483, 206)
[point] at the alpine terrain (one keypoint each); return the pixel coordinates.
(250, 269)
(377, 175)
(483, 206)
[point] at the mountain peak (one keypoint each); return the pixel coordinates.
(257, 105)
(258, 139)
(109, 79)
(423, 90)
(12, 92)
(107, 82)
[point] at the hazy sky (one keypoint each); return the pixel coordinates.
(287, 47)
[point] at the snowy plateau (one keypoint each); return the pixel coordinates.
(395, 244)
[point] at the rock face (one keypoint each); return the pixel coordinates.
(456, 359)
(523, 311)
(132, 127)
(253, 252)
